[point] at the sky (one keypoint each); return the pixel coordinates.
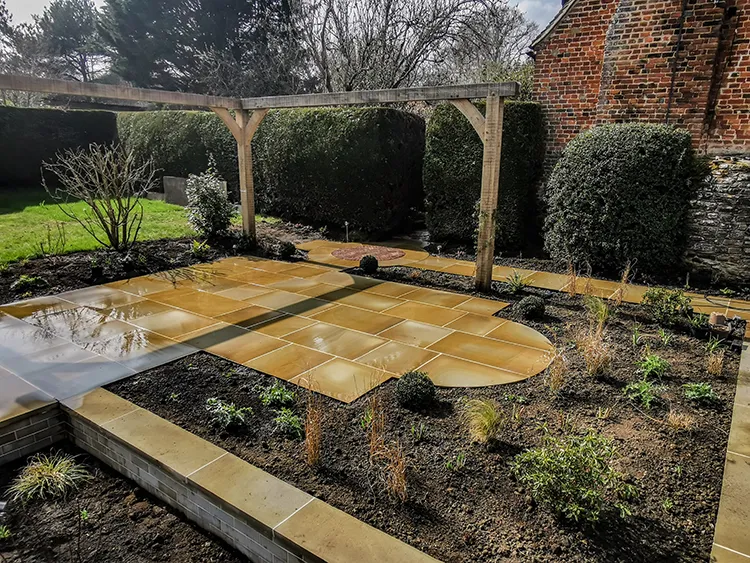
(541, 11)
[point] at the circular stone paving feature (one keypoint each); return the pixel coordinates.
(355, 254)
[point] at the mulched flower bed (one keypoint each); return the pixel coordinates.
(124, 523)
(57, 274)
(481, 512)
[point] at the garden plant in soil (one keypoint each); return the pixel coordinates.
(456, 476)
(102, 518)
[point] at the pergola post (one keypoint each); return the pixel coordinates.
(490, 130)
(243, 128)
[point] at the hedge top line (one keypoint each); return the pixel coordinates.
(423, 93)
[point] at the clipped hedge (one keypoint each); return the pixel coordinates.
(29, 137)
(453, 174)
(621, 193)
(328, 166)
(181, 142)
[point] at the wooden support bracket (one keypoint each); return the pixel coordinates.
(473, 114)
(243, 127)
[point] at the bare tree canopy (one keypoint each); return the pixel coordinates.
(370, 44)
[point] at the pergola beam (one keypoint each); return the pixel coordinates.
(421, 94)
(244, 123)
(71, 88)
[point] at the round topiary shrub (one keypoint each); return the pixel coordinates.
(531, 307)
(415, 390)
(369, 264)
(620, 193)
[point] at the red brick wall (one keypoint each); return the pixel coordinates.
(649, 60)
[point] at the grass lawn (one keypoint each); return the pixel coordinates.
(26, 214)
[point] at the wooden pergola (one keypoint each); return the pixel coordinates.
(249, 112)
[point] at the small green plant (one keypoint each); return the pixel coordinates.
(277, 396)
(415, 390)
(698, 321)
(226, 415)
(517, 399)
(289, 423)
(84, 515)
(48, 476)
(573, 475)
(643, 392)
(26, 283)
(667, 306)
(174, 396)
(484, 418)
(229, 374)
(653, 366)
(457, 463)
(530, 307)
(366, 421)
(418, 432)
(514, 283)
(713, 345)
(597, 309)
(727, 292)
(200, 250)
(4, 268)
(667, 505)
(5, 533)
(369, 264)
(701, 393)
(665, 337)
(604, 413)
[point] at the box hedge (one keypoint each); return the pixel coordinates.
(620, 193)
(181, 142)
(323, 166)
(328, 166)
(453, 174)
(29, 137)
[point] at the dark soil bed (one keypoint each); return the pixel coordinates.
(482, 513)
(124, 523)
(57, 274)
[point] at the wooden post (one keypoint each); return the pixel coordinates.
(493, 137)
(243, 128)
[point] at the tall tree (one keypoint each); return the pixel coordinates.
(369, 44)
(229, 47)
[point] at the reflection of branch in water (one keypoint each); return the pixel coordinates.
(74, 324)
(123, 344)
(184, 274)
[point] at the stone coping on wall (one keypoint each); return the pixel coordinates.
(731, 540)
(294, 522)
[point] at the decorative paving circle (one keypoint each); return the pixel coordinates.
(355, 254)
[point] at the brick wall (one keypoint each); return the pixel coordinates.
(209, 512)
(25, 435)
(685, 62)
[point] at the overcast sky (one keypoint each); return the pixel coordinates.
(541, 11)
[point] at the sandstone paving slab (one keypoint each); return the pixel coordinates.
(476, 324)
(289, 362)
(448, 371)
(342, 379)
(268, 501)
(434, 297)
(357, 319)
(19, 397)
(734, 510)
(335, 340)
(336, 537)
(415, 333)
(423, 313)
(168, 444)
(396, 358)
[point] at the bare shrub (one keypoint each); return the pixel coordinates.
(314, 430)
(394, 470)
(715, 365)
(596, 352)
(558, 371)
(571, 288)
(622, 290)
(679, 422)
(55, 242)
(373, 421)
(110, 181)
